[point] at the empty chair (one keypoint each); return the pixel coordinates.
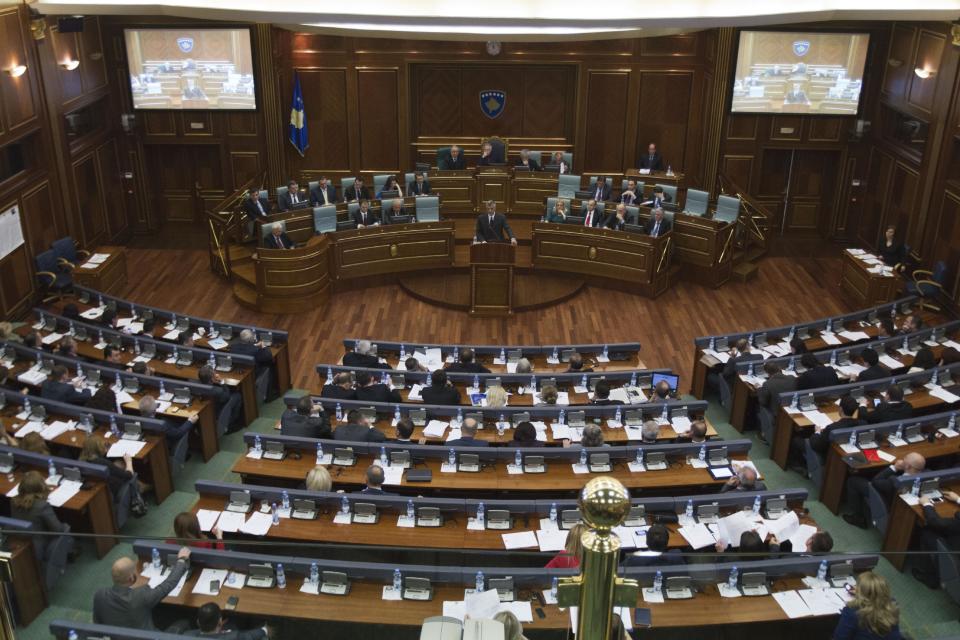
(54, 562)
(764, 417)
(346, 183)
(568, 185)
(633, 213)
(178, 456)
(814, 464)
(54, 278)
(408, 178)
(696, 203)
(325, 218)
(66, 250)
(948, 563)
(928, 285)
(442, 153)
(728, 209)
(879, 511)
(427, 208)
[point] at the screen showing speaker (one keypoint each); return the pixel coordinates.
(799, 72)
(190, 68)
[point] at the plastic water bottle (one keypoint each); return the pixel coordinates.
(833, 358)
(555, 355)
(162, 390)
(452, 456)
(791, 334)
(459, 417)
(403, 352)
(639, 459)
(100, 337)
(456, 354)
(100, 301)
(80, 371)
(212, 361)
(853, 439)
(481, 583)
(906, 344)
(689, 511)
(633, 379)
(397, 581)
(344, 505)
(356, 345)
(795, 402)
(329, 375)
(476, 382)
(385, 378)
(411, 511)
(583, 380)
(136, 346)
(339, 412)
(114, 429)
(756, 506)
(915, 489)
(712, 346)
(952, 422)
(481, 514)
(501, 427)
(583, 456)
(617, 416)
(518, 459)
(606, 352)
(553, 512)
(26, 406)
(554, 585)
(117, 383)
(792, 364)
(314, 573)
(669, 170)
(935, 377)
(281, 577)
(257, 444)
(658, 582)
(276, 514)
(822, 571)
(702, 456)
(210, 330)
(176, 354)
(319, 453)
(664, 415)
(39, 361)
(829, 327)
(285, 499)
(72, 330)
(503, 354)
(893, 311)
(72, 635)
(383, 457)
(155, 558)
(396, 413)
(533, 383)
(562, 418)
(733, 579)
(750, 339)
(899, 434)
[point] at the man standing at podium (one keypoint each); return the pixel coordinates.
(491, 226)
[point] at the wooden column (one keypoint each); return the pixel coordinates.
(717, 109)
(274, 120)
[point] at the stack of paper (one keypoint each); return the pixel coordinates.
(698, 536)
(230, 521)
(414, 395)
(258, 524)
(552, 540)
(854, 336)
(830, 338)
(722, 357)
(792, 604)
(125, 447)
(520, 540)
(67, 489)
(208, 518)
(30, 427)
(435, 429)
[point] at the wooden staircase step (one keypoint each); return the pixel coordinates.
(754, 253)
(745, 271)
(246, 274)
(239, 254)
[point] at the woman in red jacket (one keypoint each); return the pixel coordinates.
(569, 558)
(186, 526)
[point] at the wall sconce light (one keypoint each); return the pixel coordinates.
(70, 65)
(38, 27)
(16, 70)
(893, 62)
(924, 73)
(955, 34)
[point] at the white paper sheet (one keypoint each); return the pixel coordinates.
(830, 338)
(890, 363)
(121, 447)
(520, 540)
(698, 536)
(733, 526)
(818, 418)
(208, 518)
(28, 428)
(552, 540)
(799, 539)
(67, 489)
(854, 336)
(792, 604)
(231, 521)
(393, 475)
(435, 429)
(202, 585)
(944, 395)
(258, 524)
(821, 602)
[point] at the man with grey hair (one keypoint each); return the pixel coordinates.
(248, 345)
(363, 355)
(744, 480)
(173, 431)
(453, 160)
(468, 435)
(657, 225)
(650, 432)
(527, 162)
(278, 238)
(492, 226)
(396, 210)
(592, 436)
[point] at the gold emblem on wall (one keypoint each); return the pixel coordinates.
(592, 253)
(393, 251)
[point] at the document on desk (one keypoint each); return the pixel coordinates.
(731, 527)
(623, 612)
(560, 431)
(944, 395)
(830, 338)
(520, 540)
(818, 418)
(14, 492)
(30, 427)
(681, 424)
(123, 397)
(33, 377)
(721, 356)
(67, 489)
(231, 521)
(455, 434)
(435, 429)
(202, 586)
(792, 604)
(393, 475)
(821, 602)
(207, 518)
(697, 536)
(173, 334)
(93, 313)
(854, 336)
(414, 395)
(552, 539)
(799, 539)
(620, 393)
(890, 362)
(125, 447)
(258, 524)
(783, 527)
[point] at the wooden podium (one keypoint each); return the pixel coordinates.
(491, 279)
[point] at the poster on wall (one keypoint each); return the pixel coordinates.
(11, 235)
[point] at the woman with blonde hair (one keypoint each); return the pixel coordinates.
(318, 479)
(559, 212)
(512, 629)
(34, 443)
(872, 614)
(569, 558)
(496, 397)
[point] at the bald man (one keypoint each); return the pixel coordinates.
(127, 605)
(744, 480)
(858, 488)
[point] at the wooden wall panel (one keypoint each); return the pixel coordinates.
(664, 115)
(41, 224)
(679, 45)
(739, 169)
(877, 188)
(89, 200)
(946, 246)
(93, 70)
(440, 109)
(546, 107)
(66, 46)
(896, 75)
(742, 127)
(111, 188)
(929, 50)
(902, 211)
(244, 165)
(18, 107)
(16, 279)
(605, 123)
(159, 123)
(325, 96)
(378, 94)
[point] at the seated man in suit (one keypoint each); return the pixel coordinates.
(630, 195)
(591, 215)
(575, 364)
(248, 345)
(112, 357)
(363, 217)
(323, 194)
(796, 95)
(57, 387)
(816, 375)
(440, 390)
(874, 370)
(467, 364)
(453, 161)
(255, 206)
(468, 436)
(936, 529)
(278, 238)
(486, 155)
(390, 215)
(652, 160)
(744, 480)
(739, 353)
(658, 553)
(661, 392)
(563, 165)
(657, 225)
(649, 432)
(820, 441)
(526, 161)
(375, 480)
(884, 482)
(405, 431)
(306, 421)
(225, 398)
(370, 389)
(363, 356)
(891, 407)
(601, 394)
(492, 226)
(172, 430)
(341, 388)
(291, 198)
(617, 219)
(358, 429)
(601, 190)
(657, 200)
(212, 624)
(776, 383)
(356, 191)
(911, 324)
(419, 186)
(698, 431)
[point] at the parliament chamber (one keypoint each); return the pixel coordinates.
(450, 321)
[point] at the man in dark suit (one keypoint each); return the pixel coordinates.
(657, 225)
(526, 161)
(601, 394)
(936, 529)
(356, 191)
(370, 390)
(884, 482)
(562, 165)
(228, 402)
(292, 198)
(591, 215)
(440, 390)
(776, 383)
(453, 161)
(126, 604)
(874, 370)
(618, 219)
(323, 194)
(363, 217)
(658, 199)
(173, 431)
(247, 345)
(358, 429)
(278, 238)
(212, 624)
(340, 389)
(575, 364)
(468, 436)
(362, 356)
(57, 387)
(659, 553)
(816, 375)
(893, 407)
(739, 353)
(305, 421)
(491, 226)
(391, 214)
(652, 160)
(820, 441)
(744, 480)
(255, 206)
(487, 157)
(601, 190)
(375, 480)
(630, 195)
(467, 364)
(419, 186)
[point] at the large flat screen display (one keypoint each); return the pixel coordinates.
(797, 72)
(190, 68)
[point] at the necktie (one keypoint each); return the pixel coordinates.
(587, 222)
(656, 229)
(279, 243)
(599, 192)
(259, 206)
(294, 198)
(364, 214)
(325, 200)
(490, 219)
(650, 161)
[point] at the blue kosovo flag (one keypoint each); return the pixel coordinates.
(298, 118)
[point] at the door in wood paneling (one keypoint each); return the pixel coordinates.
(876, 200)
(811, 192)
(90, 200)
(605, 122)
(183, 177)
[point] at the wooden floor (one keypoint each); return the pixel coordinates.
(788, 289)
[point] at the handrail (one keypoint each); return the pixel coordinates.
(225, 223)
(754, 216)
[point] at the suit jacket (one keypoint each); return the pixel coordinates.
(730, 367)
(262, 356)
(467, 442)
(447, 163)
(63, 392)
(667, 558)
(285, 201)
(270, 242)
(370, 491)
(949, 528)
(414, 189)
(44, 520)
(440, 395)
(487, 232)
(596, 220)
(887, 411)
(654, 164)
(773, 387)
(337, 392)
(358, 433)
(378, 392)
(612, 222)
(603, 195)
(132, 607)
(649, 224)
(293, 423)
(821, 441)
(387, 215)
(819, 376)
(352, 194)
(533, 164)
(231, 634)
(250, 208)
(655, 203)
(757, 486)
(467, 367)
(316, 195)
(885, 483)
(358, 219)
(354, 359)
(637, 199)
(875, 372)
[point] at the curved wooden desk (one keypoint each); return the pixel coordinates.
(289, 280)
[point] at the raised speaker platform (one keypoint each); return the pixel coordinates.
(452, 288)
